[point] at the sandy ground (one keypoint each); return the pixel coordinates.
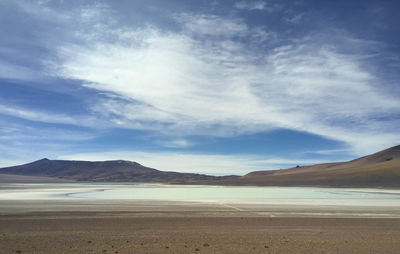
(85, 232)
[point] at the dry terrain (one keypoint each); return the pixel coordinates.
(381, 169)
(86, 232)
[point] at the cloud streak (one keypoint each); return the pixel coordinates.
(220, 76)
(179, 82)
(47, 117)
(258, 6)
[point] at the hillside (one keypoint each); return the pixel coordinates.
(104, 171)
(380, 169)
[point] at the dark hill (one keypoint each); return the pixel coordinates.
(104, 171)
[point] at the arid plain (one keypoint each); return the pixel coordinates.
(81, 225)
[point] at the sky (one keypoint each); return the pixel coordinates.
(215, 87)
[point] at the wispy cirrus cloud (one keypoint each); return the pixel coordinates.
(296, 19)
(214, 75)
(15, 71)
(238, 88)
(208, 24)
(22, 143)
(258, 5)
(46, 117)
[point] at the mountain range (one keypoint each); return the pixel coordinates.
(104, 171)
(381, 169)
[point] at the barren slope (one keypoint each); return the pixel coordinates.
(381, 169)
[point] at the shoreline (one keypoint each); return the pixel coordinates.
(162, 208)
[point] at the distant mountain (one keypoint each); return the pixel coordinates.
(104, 171)
(380, 169)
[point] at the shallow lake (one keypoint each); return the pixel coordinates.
(219, 194)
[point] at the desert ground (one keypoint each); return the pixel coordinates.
(167, 227)
(158, 226)
(111, 232)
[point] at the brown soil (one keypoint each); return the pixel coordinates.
(87, 232)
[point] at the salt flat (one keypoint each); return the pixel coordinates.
(205, 200)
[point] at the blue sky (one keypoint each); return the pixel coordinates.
(217, 87)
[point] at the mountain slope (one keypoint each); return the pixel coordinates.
(381, 169)
(103, 171)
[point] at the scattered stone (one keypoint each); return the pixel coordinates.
(197, 250)
(167, 247)
(18, 251)
(89, 241)
(206, 245)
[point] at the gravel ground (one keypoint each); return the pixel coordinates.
(89, 232)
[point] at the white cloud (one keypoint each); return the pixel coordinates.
(46, 117)
(212, 25)
(36, 115)
(17, 72)
(258, 5)
(176, 143)
(204, 80)
(194, 163)
(23, 142)
(296, 19)
(23, 134)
